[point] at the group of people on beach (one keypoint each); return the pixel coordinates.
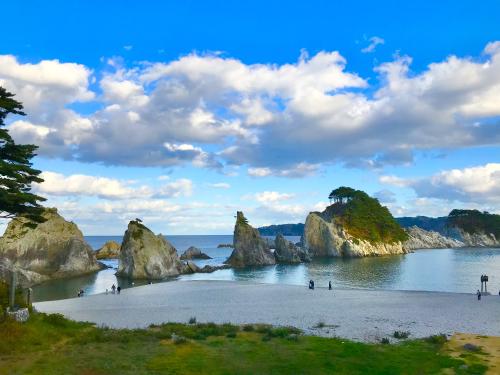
(115, 289)
(311, 284)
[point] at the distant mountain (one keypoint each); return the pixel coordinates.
(436, 224)
(473, 227)
(284, 229)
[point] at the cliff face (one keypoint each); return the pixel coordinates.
(422, 239)
(110, 250)
(249, 248)
(287, 252)
(476, 239)
(54, 249)
(144, 255)
(323, 237)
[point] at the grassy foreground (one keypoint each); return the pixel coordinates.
(51, 344)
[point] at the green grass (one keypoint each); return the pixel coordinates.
(50, 344)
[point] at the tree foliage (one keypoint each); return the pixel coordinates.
(16, 172)
(342, 194)
(474, 221)
(364, 217)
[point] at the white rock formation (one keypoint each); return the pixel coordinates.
(422, 239)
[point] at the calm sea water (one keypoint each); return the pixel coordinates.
(451, 270)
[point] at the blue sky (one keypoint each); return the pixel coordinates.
(182, 112)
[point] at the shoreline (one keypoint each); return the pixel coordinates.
(356, 314)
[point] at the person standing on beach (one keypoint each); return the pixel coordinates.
(113, 288)
(119, 289)
(329, 285)
(478, 295)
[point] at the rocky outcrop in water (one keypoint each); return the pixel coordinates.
(287, 252)
(422, 239)
(250, 249)
(323, 237)
(53, 249)
(194, 253)
(110, 250)
(144, 255)
(191, 267)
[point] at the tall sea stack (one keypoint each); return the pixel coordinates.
(144, 255)
(250, 249)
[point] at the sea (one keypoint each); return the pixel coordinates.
(446, 270)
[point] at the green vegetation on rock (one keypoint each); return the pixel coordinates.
(474, 221)
(364, 217)
(174, 348)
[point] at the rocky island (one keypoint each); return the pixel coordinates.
(49, 250)
(287, 252)
(194, 253)
(355, 225)
(250, 249)
(110, 250)
(144, 255)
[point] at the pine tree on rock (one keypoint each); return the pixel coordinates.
(16, 172)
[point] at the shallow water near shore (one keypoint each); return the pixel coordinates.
(448, 270)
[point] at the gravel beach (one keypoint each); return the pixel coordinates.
(361, 315)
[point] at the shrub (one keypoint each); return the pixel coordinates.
(437, 339)
(231, 335)
(248, 328)
(177, 340)
(192, 320)
(57, 320)
(385, 340)
(401, 334)
(320, 325)
(293, 337)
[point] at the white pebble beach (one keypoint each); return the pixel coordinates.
(361, 315)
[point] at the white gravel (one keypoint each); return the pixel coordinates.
(362, 315)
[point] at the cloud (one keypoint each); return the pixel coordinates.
(296, 171)
(57, 184)
(175, 189)
(220, 185)
(385, 196)
(272, 196)
(374, 42)
(283, 120)
(476, 185)
(46, 85)
(480, 184)
(394, 181)
(128, 47)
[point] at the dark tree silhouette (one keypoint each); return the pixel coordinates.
(342, 194)
(16, 172)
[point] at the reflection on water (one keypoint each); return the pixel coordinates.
(453, 270)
